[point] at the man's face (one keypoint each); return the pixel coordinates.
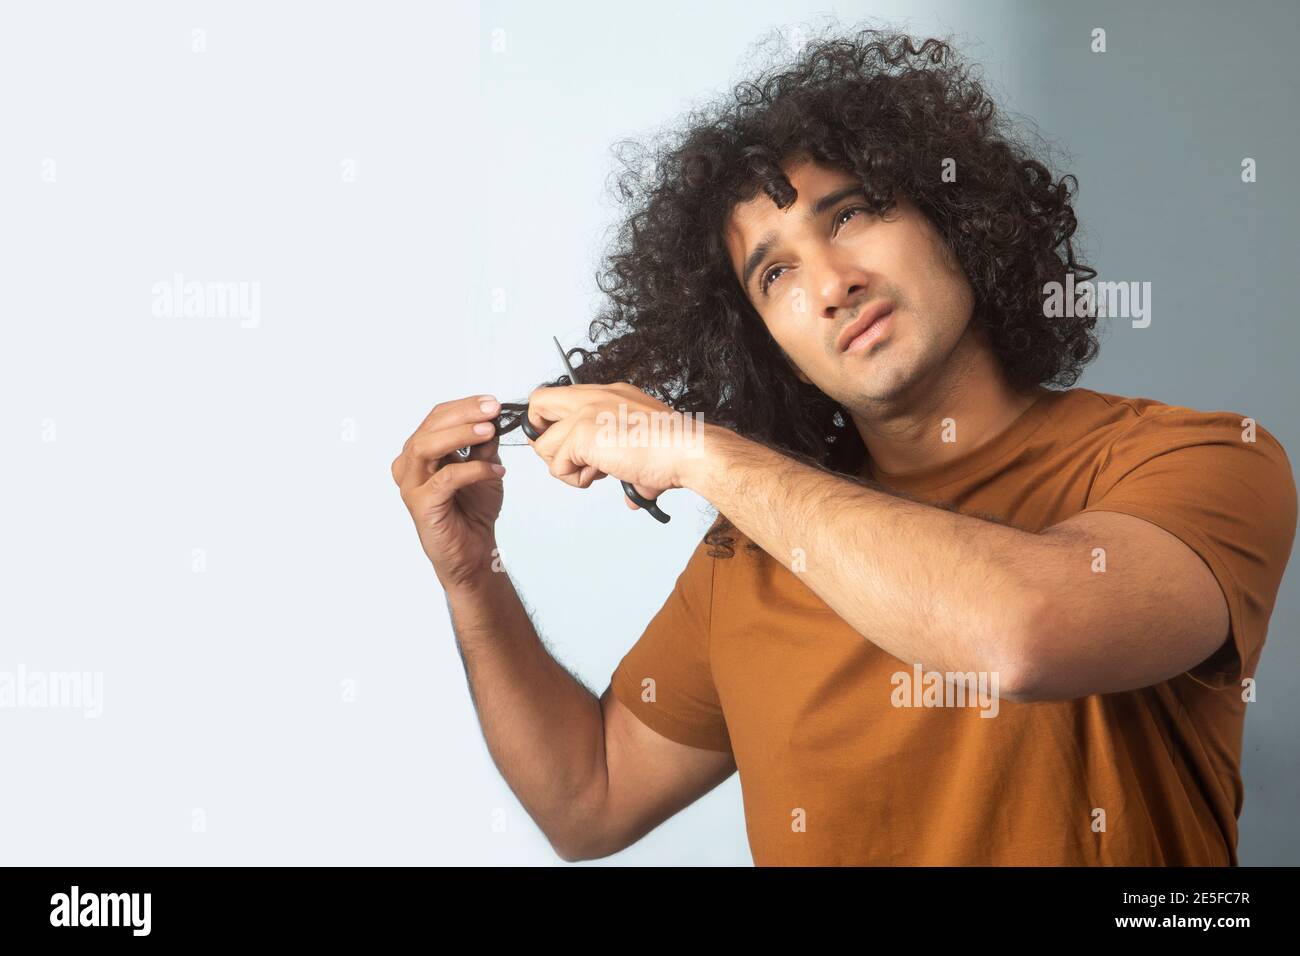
(829, 262)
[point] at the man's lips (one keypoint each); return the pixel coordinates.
(877, 310)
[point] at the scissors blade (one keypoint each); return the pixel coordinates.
(573, 378)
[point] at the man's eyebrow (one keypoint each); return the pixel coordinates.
(831, 199)
(820, 206)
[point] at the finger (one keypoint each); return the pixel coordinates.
(649, 494)
(579, 476)
(552, 439)
(487, 451)
(589, 476)
(551, 404)
(554, 449)
(425, 451)
(475, 408)
(442, 487)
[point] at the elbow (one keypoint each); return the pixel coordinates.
(1020, 667)
(568, 853)
(584, 835)
(567, 848)
(575, 850)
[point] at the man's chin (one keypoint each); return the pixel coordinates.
(887, 387)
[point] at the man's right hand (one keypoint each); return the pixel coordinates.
(454, 501)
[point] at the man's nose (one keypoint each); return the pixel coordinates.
(839, 283)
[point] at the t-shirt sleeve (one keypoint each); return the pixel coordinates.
(1224, 486)
(666, 679)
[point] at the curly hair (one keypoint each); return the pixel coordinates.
(677, 322)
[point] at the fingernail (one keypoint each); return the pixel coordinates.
(499, 469)
(488, 405)
(483, 428)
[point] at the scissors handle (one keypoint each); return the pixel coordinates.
(649, 504)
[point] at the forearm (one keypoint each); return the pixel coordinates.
(924, 584)
(544, 730)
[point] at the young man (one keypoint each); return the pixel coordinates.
(976, 619)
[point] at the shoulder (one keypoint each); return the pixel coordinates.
(1134, 420)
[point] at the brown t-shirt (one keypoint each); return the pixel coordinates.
(744, 657)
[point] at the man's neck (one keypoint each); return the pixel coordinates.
(947, 421)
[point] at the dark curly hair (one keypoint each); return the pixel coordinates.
(678, 324)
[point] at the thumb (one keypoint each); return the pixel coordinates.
(647, 493)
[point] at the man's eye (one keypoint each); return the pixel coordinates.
(768, 277)
(774, 273)
(847, 212)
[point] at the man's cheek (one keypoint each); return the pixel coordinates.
(799, 302)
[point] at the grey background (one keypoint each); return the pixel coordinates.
(468, 237)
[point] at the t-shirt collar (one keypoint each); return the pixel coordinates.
(989, 453)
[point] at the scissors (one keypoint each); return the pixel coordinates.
(651, 505)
